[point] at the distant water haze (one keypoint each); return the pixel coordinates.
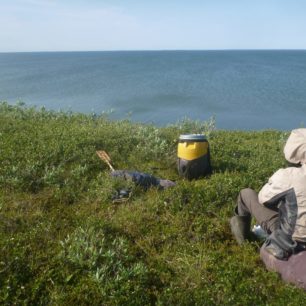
(249, 90)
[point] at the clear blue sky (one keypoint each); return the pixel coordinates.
(64, 25)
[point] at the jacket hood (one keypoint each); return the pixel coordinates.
(295, 148)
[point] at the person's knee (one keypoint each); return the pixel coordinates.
(244, 194)
(248, 193)
(245, 197)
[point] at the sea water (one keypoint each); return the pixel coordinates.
(241, 89)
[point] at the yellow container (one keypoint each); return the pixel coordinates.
(193, 156)
(192, 150)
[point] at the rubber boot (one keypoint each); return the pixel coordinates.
(240, 226)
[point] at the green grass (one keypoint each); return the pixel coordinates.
(63, 242)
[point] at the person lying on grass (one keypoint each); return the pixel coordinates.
(280, 206)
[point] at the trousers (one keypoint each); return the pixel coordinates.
(248, 205)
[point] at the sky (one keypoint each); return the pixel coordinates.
(97, 25)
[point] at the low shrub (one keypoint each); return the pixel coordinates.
(64, 242)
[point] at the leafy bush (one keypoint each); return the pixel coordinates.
(63, 241)
(110, 262)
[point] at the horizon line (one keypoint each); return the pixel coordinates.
(154, 50)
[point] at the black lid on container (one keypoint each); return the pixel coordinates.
(192, 137)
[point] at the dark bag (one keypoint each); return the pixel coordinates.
(144, 180)
(280, 245)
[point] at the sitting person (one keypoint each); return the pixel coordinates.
(280, 206)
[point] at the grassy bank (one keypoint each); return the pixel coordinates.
(63, 242)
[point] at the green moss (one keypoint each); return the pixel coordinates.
(63, 241)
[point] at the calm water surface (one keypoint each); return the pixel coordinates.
(242, 89)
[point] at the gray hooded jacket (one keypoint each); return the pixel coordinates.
(290, 184)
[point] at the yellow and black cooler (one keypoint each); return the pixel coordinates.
(193, 156)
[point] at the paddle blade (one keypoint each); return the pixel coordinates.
(105, 157)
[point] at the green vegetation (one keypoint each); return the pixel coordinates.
(63, 241)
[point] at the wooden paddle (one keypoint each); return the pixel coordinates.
(105, 157)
